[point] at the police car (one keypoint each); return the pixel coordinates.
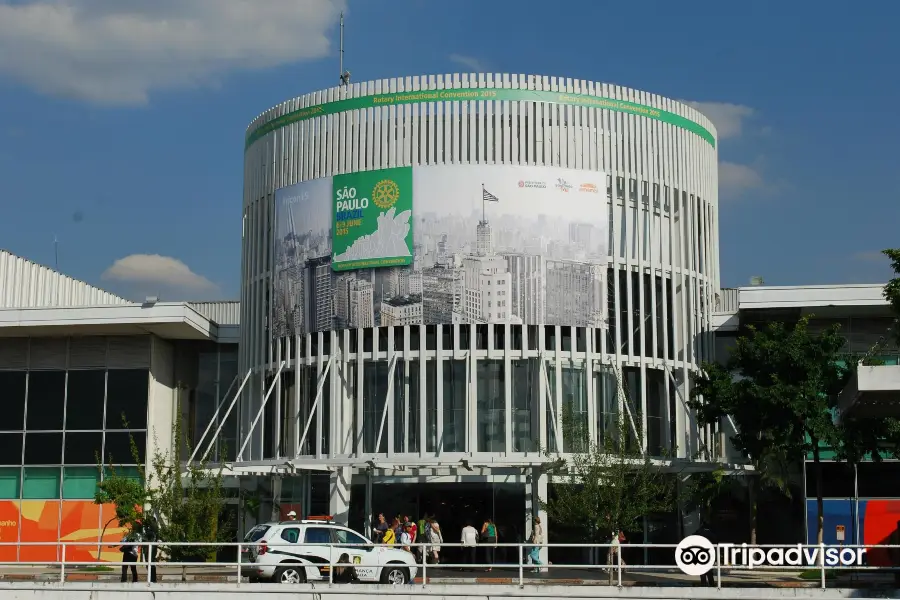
(301, 551)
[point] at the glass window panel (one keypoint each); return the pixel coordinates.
(657, 413)
(491, 408)
(84, 400)
(41, 483)
(431, 432)
(12, 399)
(525, 381)
(308, 378)
(83, 448)
(10, 448)
(43, 448)
(455, 393)
(375, 380)
(127, 472)
(117, 448)
(80, 483)
(126, 396)
(46, 399)
(574, 409)
(607, 405)
(205, 401)
(406, 406)
(325, 405)
(10, 483)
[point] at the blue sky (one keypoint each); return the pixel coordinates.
(121, 121)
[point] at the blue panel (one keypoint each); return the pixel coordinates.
(837, 512)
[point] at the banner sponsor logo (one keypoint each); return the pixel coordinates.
(539, 185)
(372, 219)
(589, 188)
(563, 185)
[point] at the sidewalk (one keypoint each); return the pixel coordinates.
(499, 576)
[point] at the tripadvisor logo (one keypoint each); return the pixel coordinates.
(696, 555)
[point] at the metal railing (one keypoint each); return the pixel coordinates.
(827, 561)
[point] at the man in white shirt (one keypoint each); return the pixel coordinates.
(469, 541)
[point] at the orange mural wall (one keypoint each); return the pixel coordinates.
(79, 522)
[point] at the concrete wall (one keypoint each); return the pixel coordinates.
(162, 399)
(74, 591)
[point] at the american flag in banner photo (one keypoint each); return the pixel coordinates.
(488, 197)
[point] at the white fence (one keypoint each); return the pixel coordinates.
(827, 562)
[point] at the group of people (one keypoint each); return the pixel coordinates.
(404, 532)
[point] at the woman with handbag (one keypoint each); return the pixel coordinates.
(489, 535)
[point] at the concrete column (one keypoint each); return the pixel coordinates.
(535, 493)
(276, 497)
(369, 517)
(339, 498)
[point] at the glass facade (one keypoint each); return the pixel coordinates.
(61, 423)
(217, 370)
(70, 405)
(512, 390)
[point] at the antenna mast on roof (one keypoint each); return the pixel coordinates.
(345, 75)
(56, 253)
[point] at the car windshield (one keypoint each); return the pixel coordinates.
(255, 534)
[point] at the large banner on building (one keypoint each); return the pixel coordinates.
(441, 244)
(372, 219)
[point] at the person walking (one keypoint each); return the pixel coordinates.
(129, 550)
(435, 542)
(405, 537)
(489, 534)
(708, 579)
(615, 549)
(381, 526)
(537, 538)
(390, 534)
(413, 529)
(469, 540)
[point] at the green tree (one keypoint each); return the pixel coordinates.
(873, 438)
(892, 288)
(603, 487)
(780, 387)
(703, 489)
(185, 503)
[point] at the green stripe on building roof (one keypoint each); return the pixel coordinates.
(477, 94)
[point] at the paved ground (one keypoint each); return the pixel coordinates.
(498, 576)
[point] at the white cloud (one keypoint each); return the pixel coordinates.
(119, 51)
(156, 270)
(728, 118)
(468, 61)
(735, 179)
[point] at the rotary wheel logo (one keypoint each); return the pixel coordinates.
(386, 193)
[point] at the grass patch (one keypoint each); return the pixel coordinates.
(816, 574)
(96, 569)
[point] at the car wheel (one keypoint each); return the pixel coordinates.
(290, 574)
(394, 575)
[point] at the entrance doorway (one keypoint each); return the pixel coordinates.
(453, 505)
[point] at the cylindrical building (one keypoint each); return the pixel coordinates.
(443, 270)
